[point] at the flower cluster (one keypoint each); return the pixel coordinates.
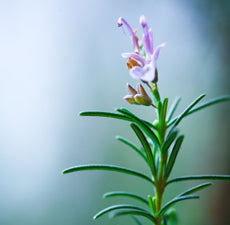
(142, 62)
(139, 97)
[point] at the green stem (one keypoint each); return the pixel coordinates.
(160, 182)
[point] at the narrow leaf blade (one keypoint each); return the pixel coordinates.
(164, 109)
(107, 167)
(173, 108)
(209, 103)
(142, 124)
(175, 200)
(115, 207)
(173, 155)
(105, 114)
(137, 220)
(146, 147)
(125, 194)
(195, 189)
(130, 144)
(169, 140)
(112, 115)
(135, 212)
(185, 112)
(200, 177)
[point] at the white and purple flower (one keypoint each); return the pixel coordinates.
(142, 65)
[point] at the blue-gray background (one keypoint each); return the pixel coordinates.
(61, 57)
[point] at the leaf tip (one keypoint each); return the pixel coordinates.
(81, 113)
(117, 137)
(104, 195)
(95, 217)
(64, 172)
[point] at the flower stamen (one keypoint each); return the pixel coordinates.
(131, 63)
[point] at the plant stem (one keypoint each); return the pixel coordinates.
(160, 183)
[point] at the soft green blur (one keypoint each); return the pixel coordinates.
(58, 58)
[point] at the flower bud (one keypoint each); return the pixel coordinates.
(131, 90)
(142, 97)
(130, 99)
(143, 100)
(141, 90)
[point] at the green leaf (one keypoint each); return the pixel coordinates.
(175, 200)
(209, 103)
(151, 204)
(173, 108)
(107, 167)
(112, 115)
(185, 112)
(105, 114)
(137, 220)
(195, 189)
(173, 155)
(125, 194)
(143, 125)
(164, 109)
(146, 147)
(200, 177)
(206, 104)
(125, 141)
(165, 220)
(115, 207)
(135, 212)
(169, 140)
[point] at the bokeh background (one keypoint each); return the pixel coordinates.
(58, 58)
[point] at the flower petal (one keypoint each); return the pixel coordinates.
(157, 51)
(149, 73)
(137, 72)
(151, 39)
(122, 21)
(146, 39)
(138, 58)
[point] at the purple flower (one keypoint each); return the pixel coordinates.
(142, 64)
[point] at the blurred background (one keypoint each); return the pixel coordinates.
(58, 58)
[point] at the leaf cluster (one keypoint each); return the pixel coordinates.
(159, 158)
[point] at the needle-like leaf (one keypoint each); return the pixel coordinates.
(165, 220)
(173, 108)
(185, 112)
(125, 194)
(109, 168)
(115, 207)
(134, 212)
(173, 155)
(137, 220)
(112, 115)
(105, 114)
(209, 103)
(142, 124)
(195, 189)
(202, 106)
(200, 177)
(169, 140)
(164, 109)
(130, 144)
(146, 147)
(177, 199)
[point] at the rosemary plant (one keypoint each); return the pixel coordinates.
(160, 141)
